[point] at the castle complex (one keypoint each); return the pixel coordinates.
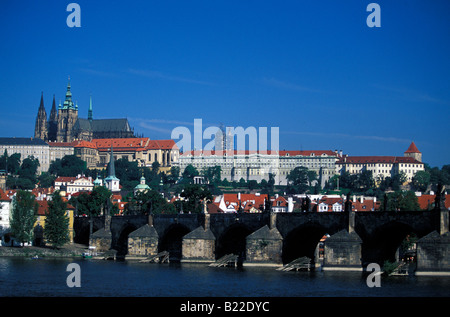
(64, 125)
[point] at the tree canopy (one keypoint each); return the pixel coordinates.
(23, 216)
(56, 230)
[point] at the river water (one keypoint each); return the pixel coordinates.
(101, 278)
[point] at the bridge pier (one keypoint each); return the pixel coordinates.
(102, 238)
(143, 242)
(433, 250)
(342, 251)
(264, 247)
(199, 245)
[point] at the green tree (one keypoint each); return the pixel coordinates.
(56, 229)
(252, 184)
(193, 194)
(365, 181)
(147, 202)
(28, 169)
(189, 173)
(100, 201)
(402, 201)
(421, 180)
(46, 180)
(212, 174)
(14, 163)
(297, 180)
(174, 175)
(93, 204)
(69, 165)
(23, 216)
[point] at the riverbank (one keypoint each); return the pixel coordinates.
(69, 250)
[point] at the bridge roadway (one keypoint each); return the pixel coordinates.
(380, 233)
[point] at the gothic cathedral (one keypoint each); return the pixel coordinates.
(64, 125)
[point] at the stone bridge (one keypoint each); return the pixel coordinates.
(355, 238)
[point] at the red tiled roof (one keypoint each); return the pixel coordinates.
(247, 201)
(83, 143)
(268, 152)
(376, 159)
(3, 196)
(43, 207)
(427, 201)
(65, 179)
(121, 144)
(60, 144)
(412, 148)
(161, 144)
(308, 153)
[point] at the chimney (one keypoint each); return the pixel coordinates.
(361, 199)
(354, 198)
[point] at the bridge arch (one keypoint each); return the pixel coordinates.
(384, 242)
(233, 241)
(121, 244)
(82, 235)
(303, 241)
(172, 241)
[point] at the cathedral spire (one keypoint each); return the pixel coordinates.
(53, 122)
(68, 104)
(90, 108)
(41, 105)
(40, 128)
(112, 170)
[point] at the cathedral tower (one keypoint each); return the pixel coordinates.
(67, 116)
(40, 128)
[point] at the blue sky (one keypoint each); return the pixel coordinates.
(312, 68)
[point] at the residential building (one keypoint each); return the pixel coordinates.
(39, 226)
(250, 203)
(5, 207)
(72, 185)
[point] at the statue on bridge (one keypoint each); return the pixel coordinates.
(306, 204)
(348, 204)
(439, 201)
